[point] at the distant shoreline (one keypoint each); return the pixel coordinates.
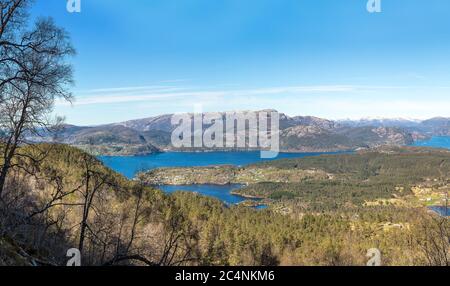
(232, 151)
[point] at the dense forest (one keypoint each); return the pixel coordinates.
(69, 199)
(387, 175)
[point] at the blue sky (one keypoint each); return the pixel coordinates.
(325, 58)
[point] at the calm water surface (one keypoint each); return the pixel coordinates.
(216, 191)
(130, 166)
(437, 142)
(443, 211)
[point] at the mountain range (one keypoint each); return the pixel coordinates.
(297, 134)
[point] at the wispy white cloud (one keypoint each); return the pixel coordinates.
(329, 101)
(150, 93)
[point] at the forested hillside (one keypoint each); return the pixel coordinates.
(69, 199)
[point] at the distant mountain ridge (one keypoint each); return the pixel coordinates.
(297, 134)
(382, 122)
(433, 126)
(163, 122)
(419, 129)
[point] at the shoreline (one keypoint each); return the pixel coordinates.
(230, 151)
(246, 196)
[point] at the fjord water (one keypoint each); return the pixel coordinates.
(441, 210)
(216, 191)
(221, 192)
(436, 142)
(130, 166)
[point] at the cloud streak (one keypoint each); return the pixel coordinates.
(161, 93)
(107, 105)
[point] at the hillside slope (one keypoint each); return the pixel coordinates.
(129, 223)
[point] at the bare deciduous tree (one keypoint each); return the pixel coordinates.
(33, 73)
(94, 182)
